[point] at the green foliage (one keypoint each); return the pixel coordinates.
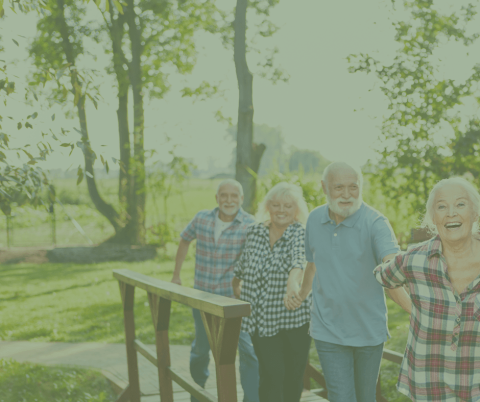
(311, 186)
(32, 382)
(307, 160)
(422, 103)
(163, 181)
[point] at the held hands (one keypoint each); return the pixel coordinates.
(293, 298)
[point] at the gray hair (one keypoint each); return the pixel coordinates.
(473, 195)
(278, 192)
(334, 166)
(233, 182)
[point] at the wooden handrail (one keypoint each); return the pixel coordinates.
(222, 317)
(216, 305)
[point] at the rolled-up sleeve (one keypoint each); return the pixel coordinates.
(190, 232)
(391, 274)
(298, 249)
(242, 261)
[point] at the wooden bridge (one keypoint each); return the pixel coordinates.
(222, 319)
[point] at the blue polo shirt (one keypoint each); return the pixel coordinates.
(348, 303)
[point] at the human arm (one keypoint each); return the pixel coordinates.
(179, 259)
(399, 295)
(292, 299)
(237, 286)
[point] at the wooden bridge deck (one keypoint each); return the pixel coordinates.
(111, 359)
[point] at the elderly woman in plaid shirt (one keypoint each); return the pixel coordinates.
(272, 263)
(442, 357)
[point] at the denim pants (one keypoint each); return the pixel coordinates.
(350, 372)
(200, 357)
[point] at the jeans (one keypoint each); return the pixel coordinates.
(282, 359)
(200, 357)
(350, 372)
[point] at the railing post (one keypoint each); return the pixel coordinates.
(128, 293)
(223, 335)
(160, 309)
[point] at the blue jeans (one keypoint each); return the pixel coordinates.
(350, 372)
(200, 357)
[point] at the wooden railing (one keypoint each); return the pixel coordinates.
(313, 373)
(222, 317)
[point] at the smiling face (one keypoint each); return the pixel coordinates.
(282, 211)
(453, 213)
(229, 199)
(343, 192)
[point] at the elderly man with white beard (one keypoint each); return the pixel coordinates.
(345, 239)
(221, 234)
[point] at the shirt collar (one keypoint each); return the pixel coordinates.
(240, 217)
(348, 221)
(434, 246)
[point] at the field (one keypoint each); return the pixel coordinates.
(81, 303)
(33, 227)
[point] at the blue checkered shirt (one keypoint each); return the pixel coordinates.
(214, 262)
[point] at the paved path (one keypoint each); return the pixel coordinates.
(112, 358)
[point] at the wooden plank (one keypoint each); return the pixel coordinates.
(125, 395)
(219, 306)
(194, 389)
(146, 352)
(392, 356)
(160, 309)
(128, 294)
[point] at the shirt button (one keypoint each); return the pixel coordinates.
(335, 235)
(458, 319)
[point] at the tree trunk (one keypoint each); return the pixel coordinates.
(125, 183)
(104, 208)
(248, 153)
(136, 224)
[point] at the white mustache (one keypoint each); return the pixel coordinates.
(351, 199)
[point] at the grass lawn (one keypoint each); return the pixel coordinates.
(30, 382)
(81, 303)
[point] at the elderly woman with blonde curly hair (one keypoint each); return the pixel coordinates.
(271, 265)
(442, 356)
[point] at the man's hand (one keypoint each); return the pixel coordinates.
(176, 279)
(292, 298)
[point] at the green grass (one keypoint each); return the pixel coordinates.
(22, 382)
(32, 227)
(81, 303)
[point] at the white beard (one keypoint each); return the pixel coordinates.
(345, 212)
(227, 212)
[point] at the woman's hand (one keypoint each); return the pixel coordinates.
(292, 298)
(237, 287)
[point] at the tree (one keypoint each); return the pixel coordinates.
(307, 160)
(249, 153)
(145, 37)
(422, 103)
(274, 157)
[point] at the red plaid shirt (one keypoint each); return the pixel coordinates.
(442, 356)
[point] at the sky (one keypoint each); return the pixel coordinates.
(323, 107)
